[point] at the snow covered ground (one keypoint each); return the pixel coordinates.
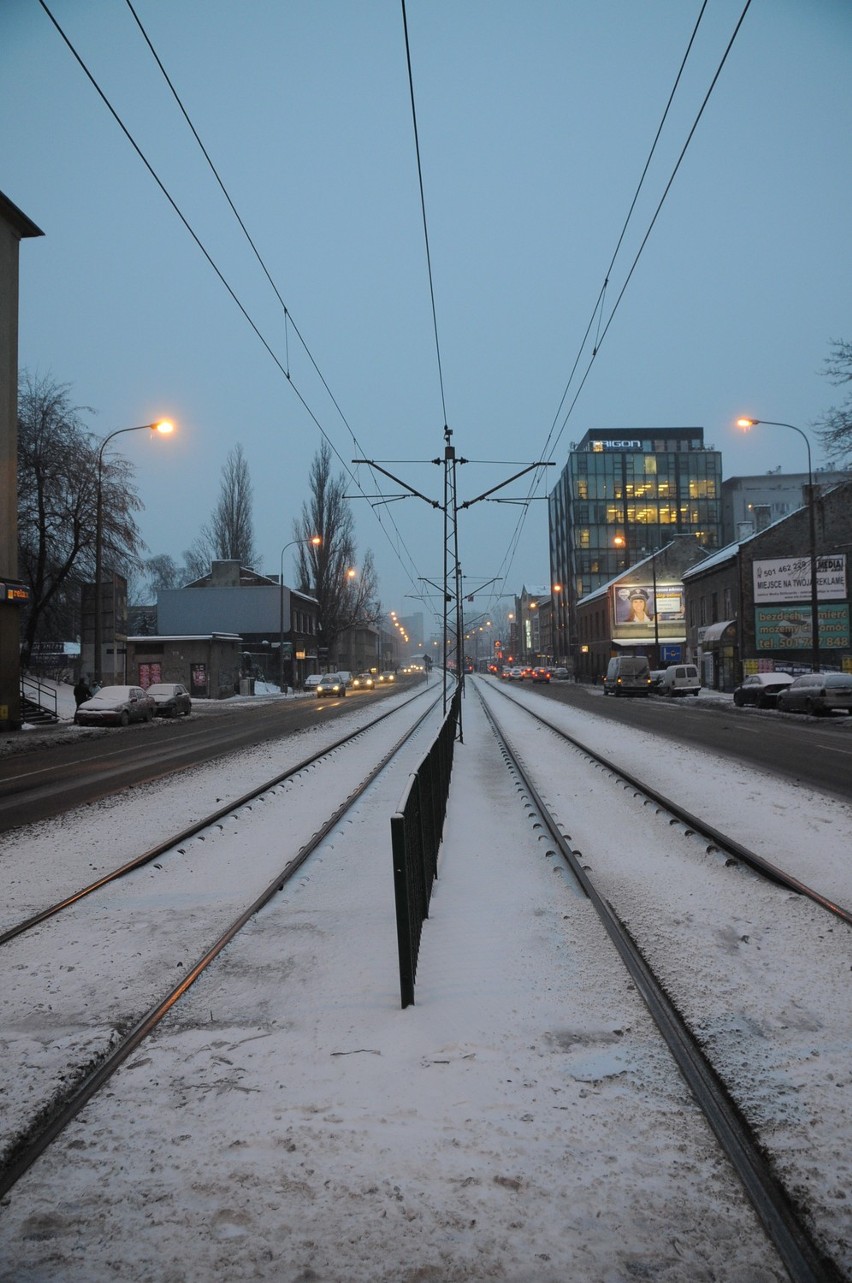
(521, 1122)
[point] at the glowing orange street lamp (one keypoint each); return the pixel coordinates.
(163, 427)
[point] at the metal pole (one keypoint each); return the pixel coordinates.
(281, 628)
(99, 534)
(775, 423)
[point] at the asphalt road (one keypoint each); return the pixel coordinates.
(814, 751)
(70, 768)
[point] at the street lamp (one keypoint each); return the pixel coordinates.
(164, 427)
(620, 541)
(314, 541)
(745, 424)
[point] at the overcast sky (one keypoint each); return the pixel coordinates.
(535, 121)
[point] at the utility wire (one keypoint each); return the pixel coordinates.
(423, 211)
(226, 284)
(550, 449)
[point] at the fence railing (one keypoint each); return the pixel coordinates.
(416, 830)
(42, 695)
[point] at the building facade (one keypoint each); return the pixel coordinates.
(279, 626)
(623, 494)
(750, 504)
(639, 612)
(749, 604)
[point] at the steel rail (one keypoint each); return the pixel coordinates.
(801, 1257)
(719, 839)
(197, 827)
(45, 1130)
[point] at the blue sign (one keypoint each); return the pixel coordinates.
(671, 654)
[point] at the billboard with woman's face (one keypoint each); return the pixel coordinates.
(643, 611)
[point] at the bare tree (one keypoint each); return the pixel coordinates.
(229, 535)
(834, 427)
(346, 592)
(57, 506)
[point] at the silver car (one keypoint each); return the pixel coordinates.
(116, 706)
(818, 693)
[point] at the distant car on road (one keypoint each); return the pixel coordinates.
(171, 699)
(331, 684)
(817, 693)
(116, 706)
(761, 690)
(363, 682)
(541, 674)
(387, 679)
(560, 674)
(312, 682)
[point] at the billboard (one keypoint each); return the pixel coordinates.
(645, 612)
(789, 579)
(778, 628)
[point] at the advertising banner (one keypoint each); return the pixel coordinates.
(777, 628)
(789, 579)
(635, 606)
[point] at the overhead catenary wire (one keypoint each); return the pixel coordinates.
(552, 442)
(283, 369)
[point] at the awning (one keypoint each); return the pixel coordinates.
(713, 632)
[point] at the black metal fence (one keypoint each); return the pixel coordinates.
(415, 838)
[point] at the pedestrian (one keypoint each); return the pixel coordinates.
(81, 694)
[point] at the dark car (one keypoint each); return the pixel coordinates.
(761, 690)
(541, 674)
(331, 684)
(116, 706)
(363, 682)
(818, 693)
(171, 698)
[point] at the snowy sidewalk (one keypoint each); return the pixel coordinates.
(521, 1121)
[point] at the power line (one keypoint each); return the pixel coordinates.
(231, 291)
(423, 212)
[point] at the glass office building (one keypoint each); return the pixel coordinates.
(624, 493)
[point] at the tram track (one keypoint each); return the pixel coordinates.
(695, 824)
(788, 1227)
(122, 1032)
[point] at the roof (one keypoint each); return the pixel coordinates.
(173, 637)
(713, 632)
(17, 219)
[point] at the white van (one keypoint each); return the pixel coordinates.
(627, 675)
(679, 679)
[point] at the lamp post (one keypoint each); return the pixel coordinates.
(164, 427)
(314, 541)
(745, 424)
(620, 541)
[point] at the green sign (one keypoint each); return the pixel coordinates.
(789, 627)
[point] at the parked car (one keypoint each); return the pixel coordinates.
(679, 679)
(761, 690)
(363, 682)
(818, 693)
(116, 706)
(627, 675)
(312, 682)
(656, 678)
(541, 674)
(560, 674)
(345, 676)
(171, 699)
(331, 684)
